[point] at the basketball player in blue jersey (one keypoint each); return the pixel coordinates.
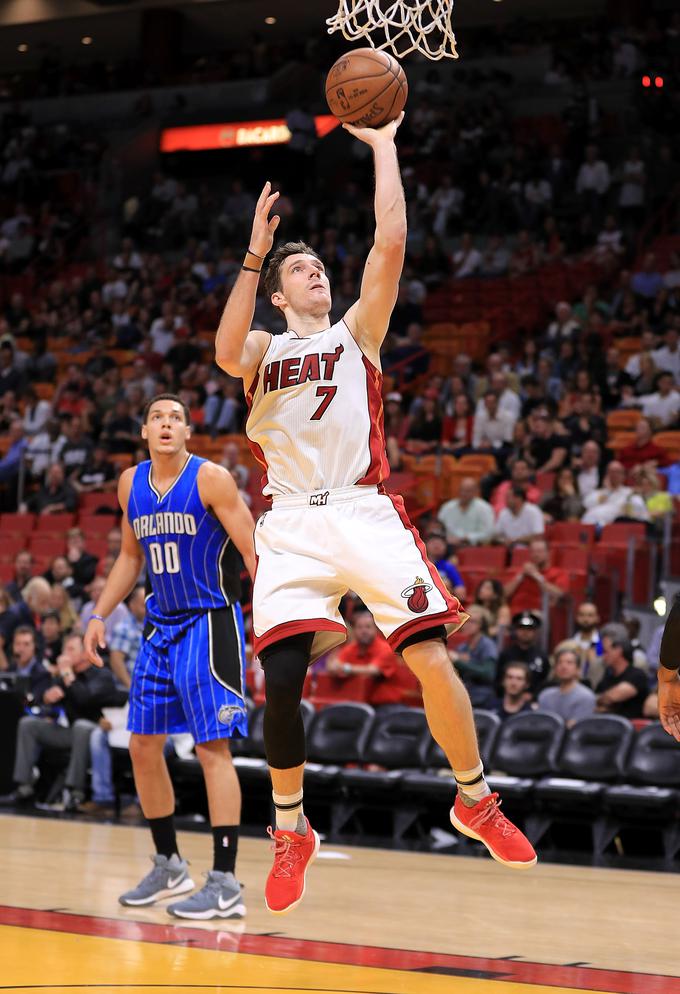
(184, 518)
(316, 425)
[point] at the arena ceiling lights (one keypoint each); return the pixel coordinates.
(236, 134)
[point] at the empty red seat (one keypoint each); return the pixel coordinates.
(46, 547)
(520, 554)
(570, 533)
(93, 502)
(54, 523)
(488, 557)
(96, 525)
(570, 557)
(11, 545)
(11, 524)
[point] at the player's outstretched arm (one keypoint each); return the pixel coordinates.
(219, 492)
(369, 318)
(121, 579)
(238, 350)
(669, 681)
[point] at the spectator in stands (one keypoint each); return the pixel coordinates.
(587, 641)
(658, 502)
(113, 541)
(119, 614)
(56, 495)
(545, 449)
(467, 259)
(520, 476)
(367, 654)
(640, 661)
(126, 639)
(120, 431)
(79, 691)
(519, 522)
(468, 519)
(584, 423)
(610, 243)
(424, 428)
(23, 571)
(593, 182)
(53, 636)
(27, 662)
(457, 428)
(492, 429)
(11, 461)
(97, 474)
(535, 579)
(526, 256)
(614, 379)
(491, 596)
(647, 282)
(667, 358)
(475, 658)
(516, 693)
(624, 688)
(632, 190)
(495, 258)
(44, 448)
(77, 451)
(663, 406)
(36, 412)
(643, 450)
(438, 553)
(62, 603)
(524, 647)
(648, 342)
(570, 699)
(231, 460)
(565, 327)
(83, 563)
(11, 377)
(589, 475)
(613, 500)
(33, 604)
(562, 503)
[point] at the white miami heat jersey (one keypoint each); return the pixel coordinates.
(316, 415)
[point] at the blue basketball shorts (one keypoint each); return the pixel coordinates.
(189, 676)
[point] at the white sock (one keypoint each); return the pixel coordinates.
(289, 814)
(472, 786)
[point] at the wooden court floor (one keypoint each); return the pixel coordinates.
(372, 921)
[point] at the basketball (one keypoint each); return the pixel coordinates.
(366, 88)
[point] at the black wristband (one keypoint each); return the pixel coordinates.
(249, 269)
(250, 252)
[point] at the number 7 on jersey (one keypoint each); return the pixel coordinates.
(327, 393)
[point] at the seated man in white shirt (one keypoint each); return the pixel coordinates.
(613, 500)
(491, 428)
(520, 521)
(589, 468)
(468, 519)
(662, 407)
(667, 358)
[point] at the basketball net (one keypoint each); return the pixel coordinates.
(407, 25)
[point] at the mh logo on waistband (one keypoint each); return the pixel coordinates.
(318, 500)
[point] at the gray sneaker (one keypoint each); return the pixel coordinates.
(168, 877)
(220, 897)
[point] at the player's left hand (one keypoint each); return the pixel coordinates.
(376, 136)
(669, 701)
(94, 638)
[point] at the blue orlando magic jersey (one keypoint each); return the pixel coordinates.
(191, 563)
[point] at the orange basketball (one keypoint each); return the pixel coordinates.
(366, 88)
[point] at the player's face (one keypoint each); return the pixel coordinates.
(165, 430)
(305, 288)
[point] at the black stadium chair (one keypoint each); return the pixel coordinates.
(593, 754)
(394, 742)
(526, 747)
(651, 794)
(337, 736)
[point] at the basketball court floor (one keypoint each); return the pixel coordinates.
(373, 921)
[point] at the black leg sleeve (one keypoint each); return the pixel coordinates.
(285, 667)
(669, 655)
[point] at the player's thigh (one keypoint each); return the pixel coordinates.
(154, 705)
(208, 665)
(297, 578)
(390, 571)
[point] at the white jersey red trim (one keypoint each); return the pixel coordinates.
(315, 417)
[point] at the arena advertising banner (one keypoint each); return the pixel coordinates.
(236, 134)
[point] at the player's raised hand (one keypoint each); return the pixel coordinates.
(376, 136)
(93, 639)
(262, 235)
(669, 701)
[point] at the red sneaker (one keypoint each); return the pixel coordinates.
(485, 823)
(293, 853)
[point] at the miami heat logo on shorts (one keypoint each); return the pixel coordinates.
(416, 595)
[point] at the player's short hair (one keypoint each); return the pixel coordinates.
(272, 277)
(166, 396)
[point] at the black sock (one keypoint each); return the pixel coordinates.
(225, 846)
(164, 836)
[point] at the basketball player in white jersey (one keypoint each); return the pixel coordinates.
(316, 425)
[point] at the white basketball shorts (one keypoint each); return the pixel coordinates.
(312, 548)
